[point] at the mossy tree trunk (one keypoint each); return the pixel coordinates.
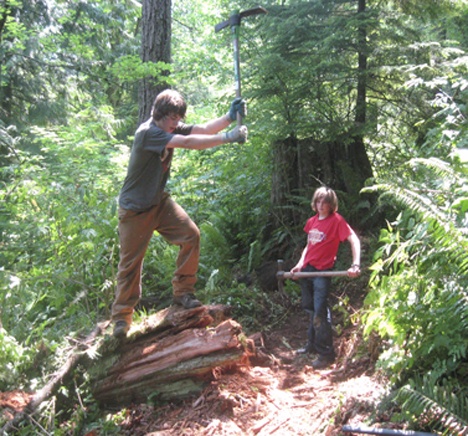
(302, 165)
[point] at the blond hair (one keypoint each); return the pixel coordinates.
(326, 194)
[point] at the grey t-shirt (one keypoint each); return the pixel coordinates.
(149, 165)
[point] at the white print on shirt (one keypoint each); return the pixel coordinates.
(316, 236)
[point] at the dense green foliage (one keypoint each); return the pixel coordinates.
(68, 88)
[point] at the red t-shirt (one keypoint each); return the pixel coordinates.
(323, 238)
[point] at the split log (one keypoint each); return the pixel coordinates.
(171, 355)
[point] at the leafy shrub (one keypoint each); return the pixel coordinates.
(419, 300)
(13, 357)
(58, 233)
(441, 404)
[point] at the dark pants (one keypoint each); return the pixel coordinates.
(315, 292)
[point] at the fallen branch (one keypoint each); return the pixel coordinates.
(279, 425)
(56, 381)
(263, 423)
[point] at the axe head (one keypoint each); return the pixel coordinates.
(235, 18)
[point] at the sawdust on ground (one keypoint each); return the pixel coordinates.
(276, 393)
(279, 393)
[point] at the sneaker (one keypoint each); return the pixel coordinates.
(308, 349)
(323, 362)
(188, 301)
(121, 328)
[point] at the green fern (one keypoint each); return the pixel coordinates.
(419, 297)
(437, 195)
(442, 404)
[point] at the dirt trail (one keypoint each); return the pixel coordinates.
(278, 394)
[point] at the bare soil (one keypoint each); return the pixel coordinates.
(278, 392)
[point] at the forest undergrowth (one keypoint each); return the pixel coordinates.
(276, 392)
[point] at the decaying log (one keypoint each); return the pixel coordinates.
(169, 355)
(172, 354)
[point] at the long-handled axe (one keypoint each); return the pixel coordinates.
(234, 21)
(283, 275)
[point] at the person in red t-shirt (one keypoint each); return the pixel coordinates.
(325, 231)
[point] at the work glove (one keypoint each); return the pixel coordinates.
(238, 134)
(238, 105)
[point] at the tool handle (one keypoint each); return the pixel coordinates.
(282, 275)
(237, 84)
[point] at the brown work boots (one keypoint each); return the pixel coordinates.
(188, 301)
(121, 329)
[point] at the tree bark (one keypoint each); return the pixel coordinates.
(155, 47)
(361, 103)
(172, 356)
(303, 165)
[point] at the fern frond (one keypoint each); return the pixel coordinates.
(443, 404)
(432, 189)
(461, 309)
(452, 245)
(419, 203)
(426, 185)
(441, 169)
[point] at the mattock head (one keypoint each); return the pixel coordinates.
(280, 277)
(236, 17)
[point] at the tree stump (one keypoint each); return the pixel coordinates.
(170, 355)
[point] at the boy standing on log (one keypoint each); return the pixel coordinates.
(325, 230)
(145, 207)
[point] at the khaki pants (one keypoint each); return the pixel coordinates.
(135, 232)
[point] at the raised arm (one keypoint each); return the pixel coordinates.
(215, 126)
(203, 141)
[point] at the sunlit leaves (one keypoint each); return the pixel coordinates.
(60, 240)
(131, 68)
(418, 300)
